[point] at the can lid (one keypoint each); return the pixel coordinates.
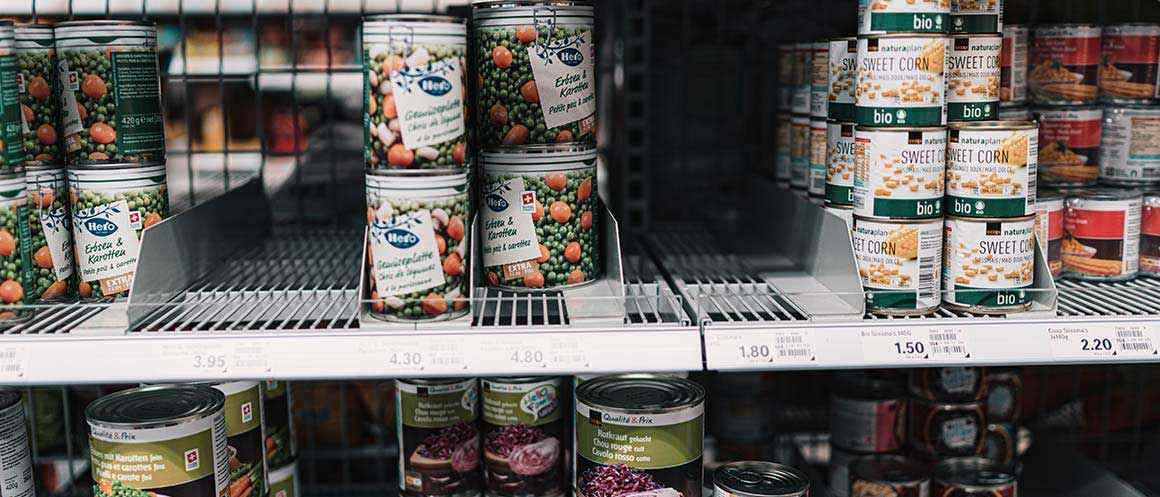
(973, 472)
(9, 398)
(902, 129)
(115, 173)
(993, 125)
(103, 23)
(34, 31)
(641, 393)
(416, 179)
(761, 479)
(888, 468)
(525, 379)
(432, 381)
(1106, 193)
(154, 406)
(488, 4)
(416, 18)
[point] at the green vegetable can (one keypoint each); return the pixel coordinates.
(278, 425)
(247, 463)
(415, 105)
(50, 229)
(11, 135)
(438, 437)
(535, 62)
(111, 207)
(15, 447)
(16, 272)
(39, 94)
(110, 93)
(418, 240)
(541, 223)
(160, 440)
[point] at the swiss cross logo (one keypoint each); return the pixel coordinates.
(135, 219)
(73, 82)
(247, 412)
(20, 83)
(192, 460)
(528, 202)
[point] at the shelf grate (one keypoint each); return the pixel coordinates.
(56, 319)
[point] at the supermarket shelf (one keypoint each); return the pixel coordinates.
(212, 7)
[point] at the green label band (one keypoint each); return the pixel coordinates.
(841, 112)
(986, 207)
(899, 116)
(974, 111)
(910, 208)
(975, 23)
(912, 22)
(641, 447)
(839, 195)
(137, 118)
(11, 116)
(892, 299)
(991, 297)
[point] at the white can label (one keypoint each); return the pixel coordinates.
(840, 163)
(893, 16)
(509, 233)
(991, 173)
(107, 245)
(1130, 147)
(901, 81)
(843, 62)
(800, 152)
(784, 142)
(973, 78)
(430, 103)
(15, 456)
(406, 254)
(565, 79)
(820, 80)
(1013, 65)
(817, 180)
(900, 174)
(899, 263)
(989, 264)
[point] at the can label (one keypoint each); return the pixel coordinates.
(437, 438)
(524, 428)
(899, 174)
(891, 16)
(1015, 114)
(16, 454)
(841, 163)
(785, 77)
(1130, 62)
(820, 80)
(989, 263)
(817, 179)
(901, 81)
(948, 384)
(802, 78)
(1150, 237)
(946, 430)
(800, 152)
(50, 229)
(1013, 65)
(11, 115)
(243, 410)
(1004, 397)
(187, 459)
(1130, 146)
(1069, 144)
(1064, 63)
(991, 173)
(973, 78)
(39, 86)
(1102, 237)
(284, 481)
(868, 425)
(1049, 232)
(976, 16)
(278, 424)
(843, 72)
(782, 158)
(899, 263)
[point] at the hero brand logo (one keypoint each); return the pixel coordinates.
(570, 56)
(496, 202)
(436, 86)
(192, 459)
(401, 238)
(100, 226)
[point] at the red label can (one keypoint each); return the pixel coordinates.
(972, 477)
(1069, 145)
(1064, 64)
(1102, 234)
(1130, 63)
(1150, 235)
(1049, 230)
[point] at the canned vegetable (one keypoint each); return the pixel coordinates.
(898, 476)
(973, 77)
(900, 172)
(785, 76)
(50, 229)
(973, 477)
(803, 78)
(39, 94)
(17, 275)
(991, 169)
(898, 262)
(976, 16)
(438, 439)
(1102, 234)
(1004, 394)
(799, 152)
(12, 115)
(989, 264)
(278, 425)
(1069, 144)
(939, 430)
(1130, 145)
(759, 479)
(1013, 65)
(782, 161)
(284, 481)
(16, 456)
(901, 80)
(951, 384)
(818, 175)
(843, 72)
(902, 16)
(1064, 63)
(524, 427)
(1049, 229)
(1129, 63)
(820, 80)
(1015, 114)
(868, 416)
(841, 163)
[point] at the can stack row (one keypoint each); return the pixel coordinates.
(519, 101)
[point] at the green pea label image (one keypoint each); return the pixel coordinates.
(39, 89)
(11, 117)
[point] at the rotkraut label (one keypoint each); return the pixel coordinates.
(901, 81)
(989, 263)
(973, 78)
(523, 430)
(898, 262)
(900, 174)
(914, 16)
(840, 163)
(992, 173)
(843, 75)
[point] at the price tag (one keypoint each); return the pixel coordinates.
(444, 355)
(13, 362)
(198, 359)
(527, 353)
(885, 345)
(568, 352)
(250, 358)
(948, 344)
(1083, 341)
(793, 346)
(1136, 340)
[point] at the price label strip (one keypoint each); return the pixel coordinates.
(443, 355)
(527, 353)
(948, 344)
(894, 346)
(249, 357)
(568, 352)
(198, 358)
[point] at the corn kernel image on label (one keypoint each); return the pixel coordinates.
(973, 78)
(899, 172)
(898, 262)
(901, 80)
(988, 263)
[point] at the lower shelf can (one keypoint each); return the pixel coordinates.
(284, 481)
(1129, 149)
(50, 227)
(438, 437)
(111, 206)
(638, 433)
(1001, 444)
(16, 273)
(951, 384)
(247, 446)
(418, 245)
(1102, 234)
(898, 262)
(868, 416)
(179, 429)
(759, 479)
(973, 477)
(1004, 394)
(875, 476)
(939, 429)
(989, 265)
(278, 424)
(524, 428)
(15, 447)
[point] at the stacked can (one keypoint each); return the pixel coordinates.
(867, 417)
(536, 122)
(1004, 409)
(783, 141)
(819, 104)
(842, 59)
(1129, 81)
(800, 118)
(900, 111)
(279, 444)
(1063, 66)
(948, 413)
(109, 132)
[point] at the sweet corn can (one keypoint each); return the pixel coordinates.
(1049, 229)
(1013, 65)
(976, 16)
(989, 264)
(843, 61)
(782, 156)
(1069, 145)
(840, 163)
(799, 172)
(898, 263)
(1130, 145)
(901, 80)
(991, 169)
(1129, 63)
(973, 75)
(1102, 234)
(785, 76)
(903, 16)
(817, 179)
(802, 76)
(820, 79)
(900, 172)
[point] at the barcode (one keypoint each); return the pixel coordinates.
(8, 354)
(446, 361)
(10, 368)
(793, 352)
(788, 339)
(1136, 346)
(1031, 177)
(947, 349)
(949, 336)
(1130, 333)
(927, 282)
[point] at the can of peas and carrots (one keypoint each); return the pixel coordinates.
(50, 228)
(39, 90)
(418, 245)
(902, 80)
(17, 276)
(816, 185)
(841, 163)
(541, 217)
(414, 103)
(782, 161)
(278, 425)
(524, 426)
(976, 16)
(900, 172)
(843, 72)
(11, 115)
(111, 111)
(438, 437)
(799, 172)
(110, 207)
(973, 77)
(536, 72)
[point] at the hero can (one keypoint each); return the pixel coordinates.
(438, 437)
(991, 169)
(989, 264)
(18, 278)
(1102, 234)
(841, 163)
(973, 75)
(976, 16)
(639, 433)
(1013, 65)
(39, 89)
(524, 429)
(15, 447)
(820, 80)
(898, 263)
(973, 477)
(759, 479)
(1150, 235)
(50, 230)
(1069, 145)
(1130, 145)
(783, 156)
(803, 78)
(900, 16)
(843, 76)
(1049, 229)
(902, 80)
(799, 151)
(1064, 64)
(818, 169)
(868, 416)
(898, 476)
(951, 384)
(1129, 63)
(900, 172)
(940, 430)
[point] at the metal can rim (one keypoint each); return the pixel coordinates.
(899, 129)
(999, 124)
(1016, 219)
(796, 482)
(433, 18)
(901, 35)
(210, 402)
(693, 394)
